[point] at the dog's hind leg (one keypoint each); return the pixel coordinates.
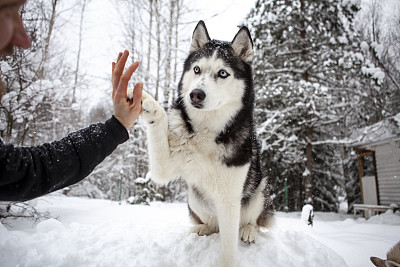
(207, 226)
(257, 212)
(203, 229)
(266, 217)
(249, 214)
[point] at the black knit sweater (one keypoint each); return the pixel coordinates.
(29, 172)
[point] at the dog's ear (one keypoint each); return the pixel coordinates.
(200, 36)
(243, 45)
(377, 261)
(390, 263)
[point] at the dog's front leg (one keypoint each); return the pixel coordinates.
(228, 220)
(157, 133)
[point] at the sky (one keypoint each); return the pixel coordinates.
(229, 14)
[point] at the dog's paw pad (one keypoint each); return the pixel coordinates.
(152, 111)
(248, 233)
(129, 94)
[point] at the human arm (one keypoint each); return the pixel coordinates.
(26, 173)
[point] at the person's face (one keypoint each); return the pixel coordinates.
(12, 31)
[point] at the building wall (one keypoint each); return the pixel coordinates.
(388, 169)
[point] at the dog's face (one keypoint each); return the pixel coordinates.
(215, 72)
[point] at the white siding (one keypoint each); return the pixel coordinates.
(388, 168)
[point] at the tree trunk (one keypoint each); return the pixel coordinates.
(158, 36)
(149, 43)
(48, 39)
(178, 10)
(78, 58)
(309, 166)
(308, 181)
(169, 52)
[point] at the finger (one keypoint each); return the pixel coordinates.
(118, 69)
(113, 80)
(119, 56)
(113, 64)
(123, 82)
(137, 95)
(122, 57)
(120, 63)
(135, 65)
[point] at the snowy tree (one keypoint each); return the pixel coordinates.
(152, 31)
(307, 73)
(145, 191)
(380, 38)
(35, 88)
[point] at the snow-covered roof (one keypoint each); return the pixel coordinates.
(380, 132)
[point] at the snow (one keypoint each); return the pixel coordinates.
(381, 131)
(343, 40)
(4, 67)
(306, 172)
(378, 49)
(141, 180)
(364, 46)
(83, 232)
(375, 72)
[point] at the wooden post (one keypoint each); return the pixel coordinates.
(376, 178)
(360, 172)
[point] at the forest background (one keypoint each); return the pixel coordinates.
(323, 70)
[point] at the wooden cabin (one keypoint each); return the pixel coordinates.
(378, 152)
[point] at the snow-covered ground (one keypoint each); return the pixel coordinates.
(103, 233)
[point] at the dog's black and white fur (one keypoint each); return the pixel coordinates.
(209, 140)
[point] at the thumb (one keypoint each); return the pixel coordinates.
(137, 94)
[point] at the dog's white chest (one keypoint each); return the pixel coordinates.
(201, 160)
(196, 151)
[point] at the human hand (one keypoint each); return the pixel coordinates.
(124, 110)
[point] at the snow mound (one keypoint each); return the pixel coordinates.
(129, 244)
(288, 248)
(103, 233)
(49, 225)
(385, 218)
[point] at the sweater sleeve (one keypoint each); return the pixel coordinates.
(29, 172)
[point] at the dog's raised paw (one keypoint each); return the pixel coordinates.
(129, 94)
(152, 111)
(248, 233)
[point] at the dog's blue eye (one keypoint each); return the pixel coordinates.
(223, 74)
(196, 70)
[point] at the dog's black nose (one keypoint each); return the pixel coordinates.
(197, 95)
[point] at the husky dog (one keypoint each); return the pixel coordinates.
(209, 140)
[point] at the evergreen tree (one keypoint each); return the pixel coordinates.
(307, 70)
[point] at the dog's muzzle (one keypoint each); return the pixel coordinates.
(197, 97)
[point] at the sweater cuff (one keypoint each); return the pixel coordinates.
(116, 128)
